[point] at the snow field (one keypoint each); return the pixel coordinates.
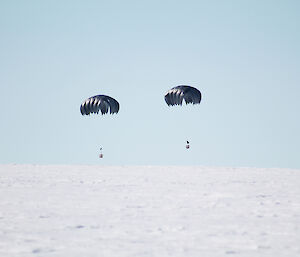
(148, 211)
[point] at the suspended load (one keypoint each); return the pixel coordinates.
(101, 154)
(102, 103)
(189, 94)
(187, 146)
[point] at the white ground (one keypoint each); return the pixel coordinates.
(83, 211)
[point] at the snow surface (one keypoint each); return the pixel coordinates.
(148, 211)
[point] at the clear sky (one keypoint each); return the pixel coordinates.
(244, 56)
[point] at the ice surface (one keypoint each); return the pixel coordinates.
(148, 211)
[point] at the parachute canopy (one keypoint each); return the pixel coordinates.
(98, 103)
(176, 95)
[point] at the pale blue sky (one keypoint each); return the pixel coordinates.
(244, 56)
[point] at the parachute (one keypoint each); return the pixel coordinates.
(176, 95)
(98, 103)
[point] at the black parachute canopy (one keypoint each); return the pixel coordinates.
(98, 103)
(176, 95)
